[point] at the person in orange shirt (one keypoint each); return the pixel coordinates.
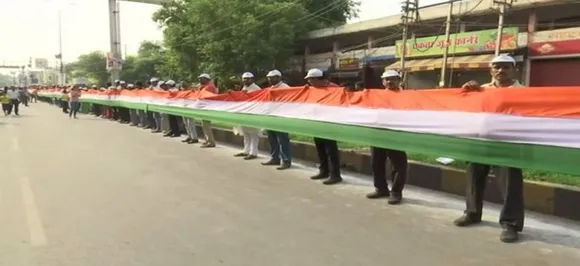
(207, 85)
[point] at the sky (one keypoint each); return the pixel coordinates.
(30, 27)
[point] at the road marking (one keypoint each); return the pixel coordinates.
(37, 236)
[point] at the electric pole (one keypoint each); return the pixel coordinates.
(447, 44)
(409, 14)
(503, 4)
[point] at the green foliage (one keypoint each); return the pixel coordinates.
(224, 38)
(91, 66)
(150, 58)
(228, 37)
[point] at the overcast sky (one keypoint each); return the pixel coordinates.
(30, 27)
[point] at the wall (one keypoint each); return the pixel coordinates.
(423, 80)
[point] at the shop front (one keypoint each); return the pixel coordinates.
(374, 64)
(469, 57)
(555, 57)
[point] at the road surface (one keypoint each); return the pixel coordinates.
(94, 192)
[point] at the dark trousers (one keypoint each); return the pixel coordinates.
(115, 113)
(399, 163)
(151, 120)
(328, 156)
(97, 109)
(14, 104)
(174, 125)
(279, 146)
(511, 182)
(74, 109)
(124, 114)
(64, 105)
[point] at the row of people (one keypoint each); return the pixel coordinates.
(502, 73)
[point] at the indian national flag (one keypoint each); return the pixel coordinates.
(537, 128)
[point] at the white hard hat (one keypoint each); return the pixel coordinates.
(205, 76)
(274, 73)
(122, 82)
(170, 82)
(94, 86)
(247, 75)
(130, 86)
(314, 73)
(161, 82)
(153, 79)
(390, 73)
(503, 59)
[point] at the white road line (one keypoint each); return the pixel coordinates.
(37, 236)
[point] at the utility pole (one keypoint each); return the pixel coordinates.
(61, 65)
(115, 39)
(502, 7)
(447, 44)
(409, 10)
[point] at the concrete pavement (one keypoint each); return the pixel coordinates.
(93, 192)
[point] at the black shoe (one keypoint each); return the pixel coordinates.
(395, 199)
(509, 234)
(193, 141)
(271, 162)
(168, 135)
(240, 154)
(377, 194)
(250, 157)
(285, 165)
(319, 176)
(332, 180)
(208, 145)
(187, 140)
(466, 220)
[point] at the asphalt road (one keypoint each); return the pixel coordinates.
(93, 192)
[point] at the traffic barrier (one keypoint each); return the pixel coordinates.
(533, 128)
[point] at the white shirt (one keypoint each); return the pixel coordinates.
(173, 89)
(13, 95)
(251, 87)
(281, 85)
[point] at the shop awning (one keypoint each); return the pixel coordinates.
(345, 74)
(455, 62)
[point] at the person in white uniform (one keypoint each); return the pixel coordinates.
(251, 135)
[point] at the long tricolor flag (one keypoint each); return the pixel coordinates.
(537, 128)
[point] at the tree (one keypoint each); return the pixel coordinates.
(149, 59)
(228, 37)
(91, 66)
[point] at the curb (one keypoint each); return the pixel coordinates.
(552, 199)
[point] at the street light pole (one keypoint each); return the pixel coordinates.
(61, 77)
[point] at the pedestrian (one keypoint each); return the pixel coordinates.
(13, 95)
(190, 128)
(279, 142)
(326, 149)
(5, 102)
(174, 130)
(207, 86)
(511, 179)
(75, 102)
(159, 86)
(251, 135)
(64, 100)
(379, 156)
(133, 113)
